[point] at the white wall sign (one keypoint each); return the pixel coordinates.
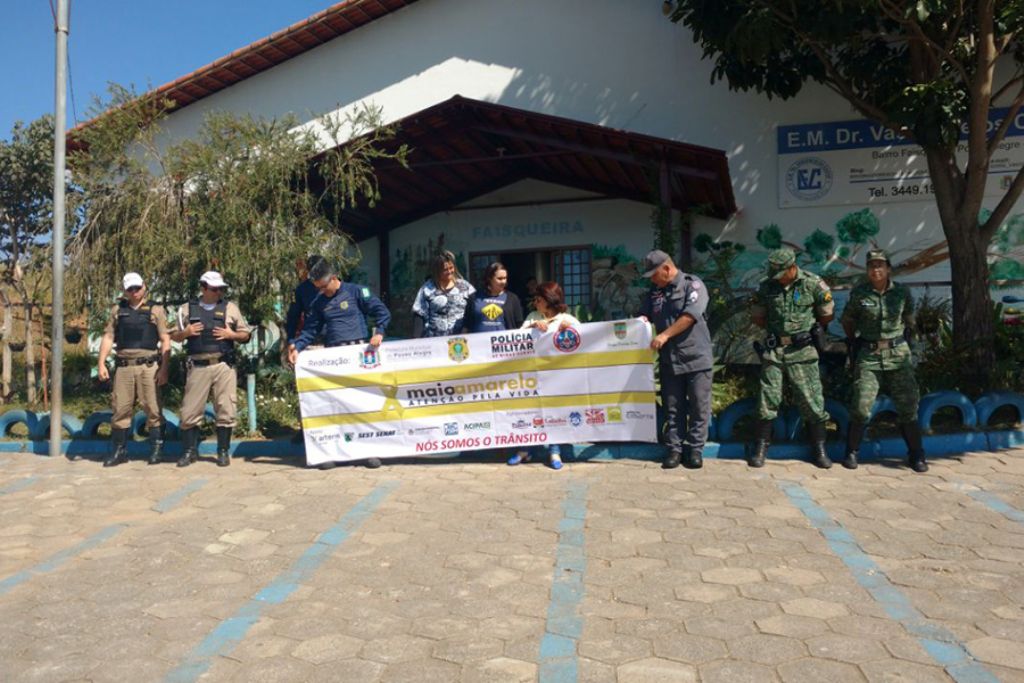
(861, 162)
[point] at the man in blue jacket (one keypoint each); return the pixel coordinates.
(339, 313)
(302, 301)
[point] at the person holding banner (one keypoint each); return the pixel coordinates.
(677, 305)
(340, 313)
(551, 313)
(302, 301)
(493, 307)
(440, 306)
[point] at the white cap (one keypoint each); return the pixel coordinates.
(132, 280)
(212, 278)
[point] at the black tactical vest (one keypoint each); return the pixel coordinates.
(134, 328)
(205, 342)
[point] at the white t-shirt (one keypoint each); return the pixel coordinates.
(554, 322)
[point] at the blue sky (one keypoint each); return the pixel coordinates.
(142, 42)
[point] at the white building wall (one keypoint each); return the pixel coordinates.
(610, 62)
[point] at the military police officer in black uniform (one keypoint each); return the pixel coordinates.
(676, 305)
(302, 301)
(339, 313)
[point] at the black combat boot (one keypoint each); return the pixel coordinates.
(915, 447)
(223, 446)
(854, 436)
(819, 456)
(156, 443)
(189, 446)
(693, 459)
(672, 460)
(119, 440)
(763, 438)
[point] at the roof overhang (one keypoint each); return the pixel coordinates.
(463, 148)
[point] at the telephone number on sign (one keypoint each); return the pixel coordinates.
(900, 190)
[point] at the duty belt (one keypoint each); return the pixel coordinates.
(126, 362)
(352, 342)
(800, 339)
(206, 362)
(883, 344)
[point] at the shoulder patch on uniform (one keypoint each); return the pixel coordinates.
(365, 292)
(828, 295)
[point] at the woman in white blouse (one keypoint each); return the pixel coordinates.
(551, 312)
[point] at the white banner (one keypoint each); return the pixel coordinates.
(516, 388)
(860, 162)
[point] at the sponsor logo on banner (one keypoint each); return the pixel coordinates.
(555, 421)
(476, 426)
(567, 340)
(639, 415)
(620, 330)
(411, 352)
(575, 419)
(512, 344)
(363, 436)
(595, 416)
(538, 422)
(615, 413)
(809, 178)
(521, 424)
(458, 349)
(349, 436)
(329, 436)
(451, 428)
(369, 358)
(424, 430)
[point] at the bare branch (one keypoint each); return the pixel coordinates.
(1003, 208)
(1004, 125)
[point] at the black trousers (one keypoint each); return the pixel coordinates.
(686, 401)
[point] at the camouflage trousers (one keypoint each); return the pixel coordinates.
(898, 383)
(805, 383)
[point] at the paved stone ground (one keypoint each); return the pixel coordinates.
(723, 574)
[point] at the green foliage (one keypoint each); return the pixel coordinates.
(857, 227)
(244, 196)
(770, 236)
(819, 245)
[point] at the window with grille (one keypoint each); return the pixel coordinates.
(572, 270)
(478, 264)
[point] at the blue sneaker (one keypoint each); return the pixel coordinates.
(520, 457)
(556, 460)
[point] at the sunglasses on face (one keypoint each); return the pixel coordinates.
(135, 288)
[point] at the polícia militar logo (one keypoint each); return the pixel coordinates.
(567, 340)
(809, 179)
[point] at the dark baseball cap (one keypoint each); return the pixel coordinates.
(654, 260)
(779, 262)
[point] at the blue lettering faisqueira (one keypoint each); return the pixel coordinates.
(510, 389)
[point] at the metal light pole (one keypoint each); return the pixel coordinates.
(57, 342)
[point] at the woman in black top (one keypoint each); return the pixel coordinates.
(493, 307)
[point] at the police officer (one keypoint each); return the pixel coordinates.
(299, 309)
(339, 313)
(139, 329)
(786, 305)
(676, 304)
(878, 320)
(210, 326)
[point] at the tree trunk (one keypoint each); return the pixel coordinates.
(973, 321)
(30, 357)
(5, 373)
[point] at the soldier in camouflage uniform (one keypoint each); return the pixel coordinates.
(787, 305)
(878, 320)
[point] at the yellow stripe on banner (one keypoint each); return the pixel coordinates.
(596, 359)
(581, 400)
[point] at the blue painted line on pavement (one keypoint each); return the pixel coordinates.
(60, 558)
(223, 639)
(168, 503)
(18, 485)
(558, 661)
(997, 504)
(938, 642)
